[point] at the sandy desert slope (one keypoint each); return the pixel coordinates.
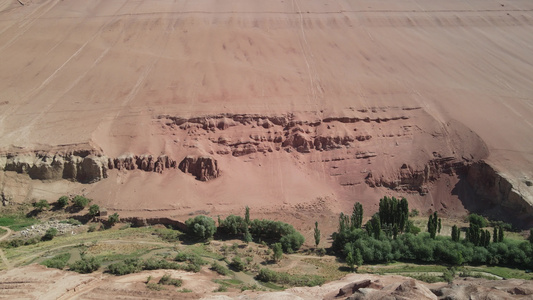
(297, 101)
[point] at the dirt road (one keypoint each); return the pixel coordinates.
(5, 236)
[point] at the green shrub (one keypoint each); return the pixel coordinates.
(131, 265)
(221, 289)
(191, 268)
(477, 220)
(85, 265)
(94, 210)
(80, 202)
(201, 227)
(277, 252)
(193, 258)
(50, 234)
(220, 269)
(267, 275)
(168, 235)
(18, 242)
(427, 278)
(155, 286)
(57, 262)
(237, 264)
(292, 242)
(156, 264)
(92, 228)
(62, 202)
(167, 280)
(41, 205)
(113, 219)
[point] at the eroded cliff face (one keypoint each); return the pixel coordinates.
(362, 149)
(508, 198)
(204, 168)
(86, 167)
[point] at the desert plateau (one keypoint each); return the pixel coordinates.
(285, 110)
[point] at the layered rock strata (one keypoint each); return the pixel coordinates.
(204, 168)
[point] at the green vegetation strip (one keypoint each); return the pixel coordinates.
(267, 275)
(17, 222)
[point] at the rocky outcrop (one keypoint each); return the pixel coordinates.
(85, 166)
(409, 179)
(277, 132)
(204, 168)
(494, 187)
(146, 163)
(372, 289)
(86, 169)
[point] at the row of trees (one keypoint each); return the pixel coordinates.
(204, 228)
(383, 241)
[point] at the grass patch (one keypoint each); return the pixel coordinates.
(204, 251)
(427, 278)
(58, 261)
(17, 222)
(405, 268)
(273, 286)
(71, 222)
(504, 272)
(329, 269)
(168, 235)
(2, 231)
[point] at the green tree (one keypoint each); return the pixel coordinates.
(247, 216)
(94, 210)
(85, 265)
(343, 222)
(201, 227)
(80, 202)
(277, 252)
(317, 235)
(62, 202)
(439, 226)
(357, 215)
(500, 234)
(404, 214)
(456, 233)
(495, 234)
(41, 205)
(113, 219)
(433, 224)
(350, 261)
(530, 235)
(478, 220)
(358, 258)
(376, 226)
(247, 236)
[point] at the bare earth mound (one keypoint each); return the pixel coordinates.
(285, 106)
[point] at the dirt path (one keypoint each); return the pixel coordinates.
(5, 236)
(82, 288)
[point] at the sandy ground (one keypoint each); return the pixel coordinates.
(452, 77)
